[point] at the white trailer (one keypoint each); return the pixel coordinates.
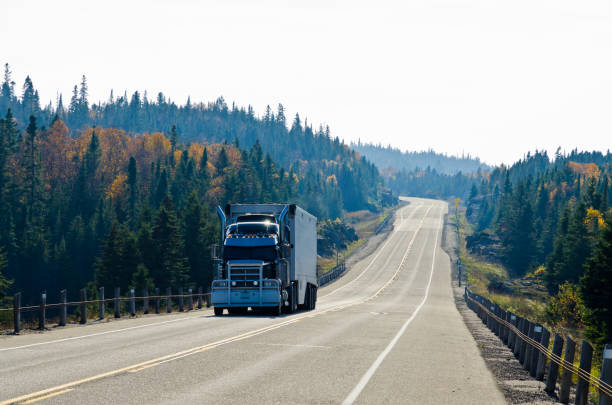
(269, 259)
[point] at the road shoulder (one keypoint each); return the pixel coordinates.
(514, 382)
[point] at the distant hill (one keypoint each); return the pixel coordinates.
(388, 157)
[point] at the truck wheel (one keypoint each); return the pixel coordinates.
(314, 297)
(218, 311)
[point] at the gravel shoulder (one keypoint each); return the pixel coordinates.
(515, 383)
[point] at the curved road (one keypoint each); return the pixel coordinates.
(386, 332)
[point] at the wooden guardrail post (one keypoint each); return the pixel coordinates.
(542, 356)
(553, 372)
(582, 389)
(606, 374)
(42, 311)
(63, 307)
(101, 303)
(190, 300)
(145, 301)
(517, 339)
(511, 334)
(169, 300)
(157, 300)
(132, 303)
(566, 378)
(117, 305)
(200, 297)
(535, 352)
(208, 300)
(83, 306)
(506, 317)
(527, 330)
(180, 299)
(17, 313)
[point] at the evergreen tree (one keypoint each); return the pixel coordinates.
(4, 283)
(32, 169)
(519, 236)
(596, 289)
(119, 260)
(222, 161)
(132, 179)
(170, 267)
(198, 235)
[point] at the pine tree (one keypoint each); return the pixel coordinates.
(4, 283)
(197, 238)
(132, 189)
(32, 168)
(119, 260)
(596, 289)
(170, 267)
(110, 264)
(222, 161)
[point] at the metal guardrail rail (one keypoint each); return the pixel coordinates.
(529, 342)
(332, 275)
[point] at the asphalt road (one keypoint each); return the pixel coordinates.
(386, 332)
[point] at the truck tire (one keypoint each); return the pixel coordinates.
(218, 311)
(314, 297)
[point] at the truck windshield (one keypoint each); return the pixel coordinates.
(256, 218)
(267, 253)
(256, 228)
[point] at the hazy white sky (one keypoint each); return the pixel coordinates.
(490, 78)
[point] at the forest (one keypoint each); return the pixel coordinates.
(123, 193)
(553, 214)
(391, 160)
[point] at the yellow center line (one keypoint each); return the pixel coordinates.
(31, 401)
(60, 389)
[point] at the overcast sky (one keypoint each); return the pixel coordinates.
(490, 78)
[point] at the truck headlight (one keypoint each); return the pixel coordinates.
(233, 284)
(255, 283)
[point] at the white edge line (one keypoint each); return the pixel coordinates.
(354, 394)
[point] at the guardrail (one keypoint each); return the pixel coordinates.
(332, 275)
(157, 300)
(183, 300)
(529, 342)
(383, 223)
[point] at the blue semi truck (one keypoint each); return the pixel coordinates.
(267, 261)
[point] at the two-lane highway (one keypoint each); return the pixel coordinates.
(386, 332)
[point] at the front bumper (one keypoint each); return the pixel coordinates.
(225, 296)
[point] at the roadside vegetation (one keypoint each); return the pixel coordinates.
(345, 237)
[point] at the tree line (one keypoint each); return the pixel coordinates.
(294, 144)
(392, 160)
